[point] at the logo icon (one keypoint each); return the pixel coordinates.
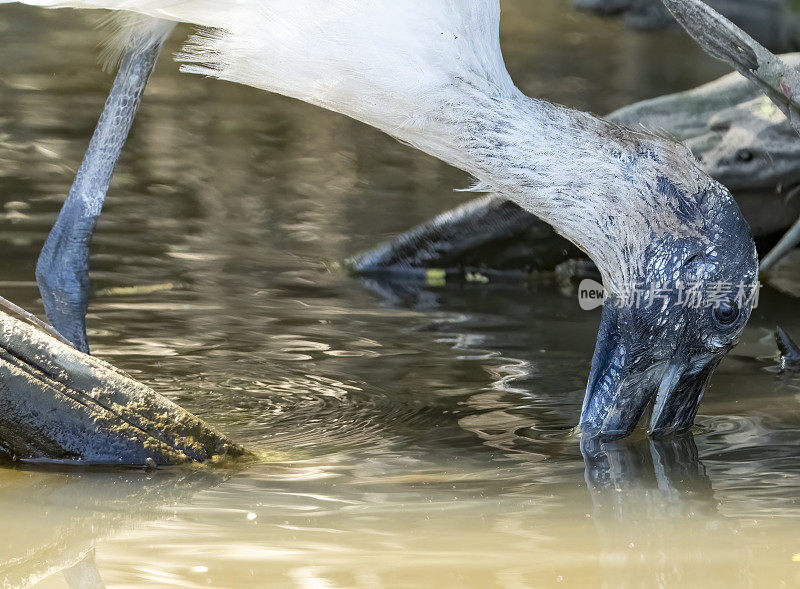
(591, 294)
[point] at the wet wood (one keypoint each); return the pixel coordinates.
(58, 404)
(722, 39)
(739, 136)
(773, 23)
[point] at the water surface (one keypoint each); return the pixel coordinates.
(414, 439)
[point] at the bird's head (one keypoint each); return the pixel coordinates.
(676, 256)
(687, 300)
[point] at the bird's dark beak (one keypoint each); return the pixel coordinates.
(629, 373)
(680, 392)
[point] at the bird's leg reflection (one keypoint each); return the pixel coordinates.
(84, 574)
(82, 508)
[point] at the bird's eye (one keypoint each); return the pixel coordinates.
(726, 313)
(744, 155)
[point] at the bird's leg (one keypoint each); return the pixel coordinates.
(62, 271)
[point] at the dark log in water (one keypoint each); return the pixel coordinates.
(489, 233)
(739, 136)
(58, 404)
(773, 23)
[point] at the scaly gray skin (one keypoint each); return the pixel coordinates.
(62, 270)
(657, 351)
(740, 138)
(58, 404)
(636, 202)
(663, 352)
(774, 23)
(654, 348)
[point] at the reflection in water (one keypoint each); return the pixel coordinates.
(654, 510)
(645, 479)
(84, 574)
(82, 507)
(645, 494)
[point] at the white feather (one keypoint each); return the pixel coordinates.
(430, 73)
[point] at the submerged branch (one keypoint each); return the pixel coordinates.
(722, 39)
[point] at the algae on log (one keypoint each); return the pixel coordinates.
(58, 404)
(739, 136)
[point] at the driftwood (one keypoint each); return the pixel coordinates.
(790, 353)
(740, 137)
(488, 234)
(722, 39)
(58, 404)
(773, 23)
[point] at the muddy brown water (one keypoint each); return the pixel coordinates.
(405, 438)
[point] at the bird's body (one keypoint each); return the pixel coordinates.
(431, 74)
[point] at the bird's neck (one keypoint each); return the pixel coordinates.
(593, 181)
